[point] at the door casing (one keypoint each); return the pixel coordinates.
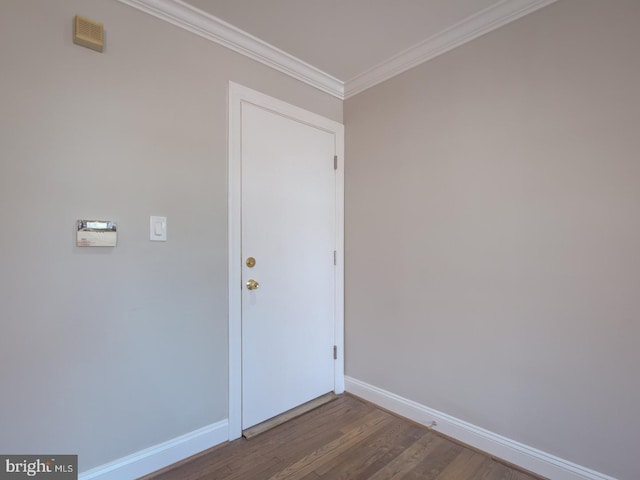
(239, 94)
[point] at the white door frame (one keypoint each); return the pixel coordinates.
(237, 95)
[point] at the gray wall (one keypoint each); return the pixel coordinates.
(106, 351)
(493, 233)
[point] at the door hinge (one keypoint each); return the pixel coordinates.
(335, 352)
(335, 257)
(335, 162)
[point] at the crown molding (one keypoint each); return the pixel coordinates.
(207, 26)
(212, 28)
(468, 29)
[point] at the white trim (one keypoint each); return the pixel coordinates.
(159, 456)
(212, 28)
(338, 373)
(234, 230)
(237, 95)
(216, 30)
(468, 29)
(526, 457)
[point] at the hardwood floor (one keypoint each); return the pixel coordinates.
(345, 439)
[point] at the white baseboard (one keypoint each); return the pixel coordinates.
(159, 456)
(526, 457)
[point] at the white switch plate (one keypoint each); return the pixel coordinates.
(158, 229)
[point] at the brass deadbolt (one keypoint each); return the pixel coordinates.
(251, 262)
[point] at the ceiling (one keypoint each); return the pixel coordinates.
(340, 46)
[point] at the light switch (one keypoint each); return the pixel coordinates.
(158, 229)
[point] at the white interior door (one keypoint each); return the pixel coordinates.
(289, 228)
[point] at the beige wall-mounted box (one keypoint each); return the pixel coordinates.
(88, 33)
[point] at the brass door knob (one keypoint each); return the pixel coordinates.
(252, 284)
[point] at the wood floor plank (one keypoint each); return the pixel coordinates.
(271, 457)
(436, 460)
(273, 450)
(407, 460)
(465, 465)
(347, 439)
(352, 435)
(499, 471)
(373, 454)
